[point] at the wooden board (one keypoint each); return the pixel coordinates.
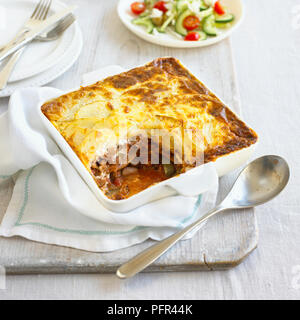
(222, 243)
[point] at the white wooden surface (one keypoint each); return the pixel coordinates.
(268, 67)
(222, 243)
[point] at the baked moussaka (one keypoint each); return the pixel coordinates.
(113, 124)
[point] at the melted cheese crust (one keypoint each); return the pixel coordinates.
(160, 95)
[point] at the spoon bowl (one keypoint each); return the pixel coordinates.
(262, 180)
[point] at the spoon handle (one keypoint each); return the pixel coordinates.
(148, 256)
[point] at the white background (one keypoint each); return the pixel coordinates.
(266, 51)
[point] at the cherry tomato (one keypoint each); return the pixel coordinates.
(161, 5)
(191, 22)
(138, 7)
(219, 8)
(192, 36)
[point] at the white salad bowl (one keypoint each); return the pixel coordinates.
(189, 183)
(165, 39)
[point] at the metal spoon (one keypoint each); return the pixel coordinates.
(262, 180)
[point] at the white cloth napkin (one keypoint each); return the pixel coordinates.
(52, 204)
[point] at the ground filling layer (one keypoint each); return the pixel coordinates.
(123, 180)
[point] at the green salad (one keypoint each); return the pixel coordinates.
(190, 20)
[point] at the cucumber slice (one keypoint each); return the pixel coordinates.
(227, 17)
(225, 25)
(202, 35)
(179, 28)
(209, 26)
(181, 5)
(205, 13)
(203, 6)
(146, 22)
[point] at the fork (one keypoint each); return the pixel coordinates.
(57, 31)
(40, 13)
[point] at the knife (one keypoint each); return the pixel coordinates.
(27, 36)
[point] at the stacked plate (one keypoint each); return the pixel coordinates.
(41, 62)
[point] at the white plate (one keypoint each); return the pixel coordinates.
(69, 58)
(38, 56)
(126, 16)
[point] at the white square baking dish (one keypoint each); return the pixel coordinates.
(185, 184)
